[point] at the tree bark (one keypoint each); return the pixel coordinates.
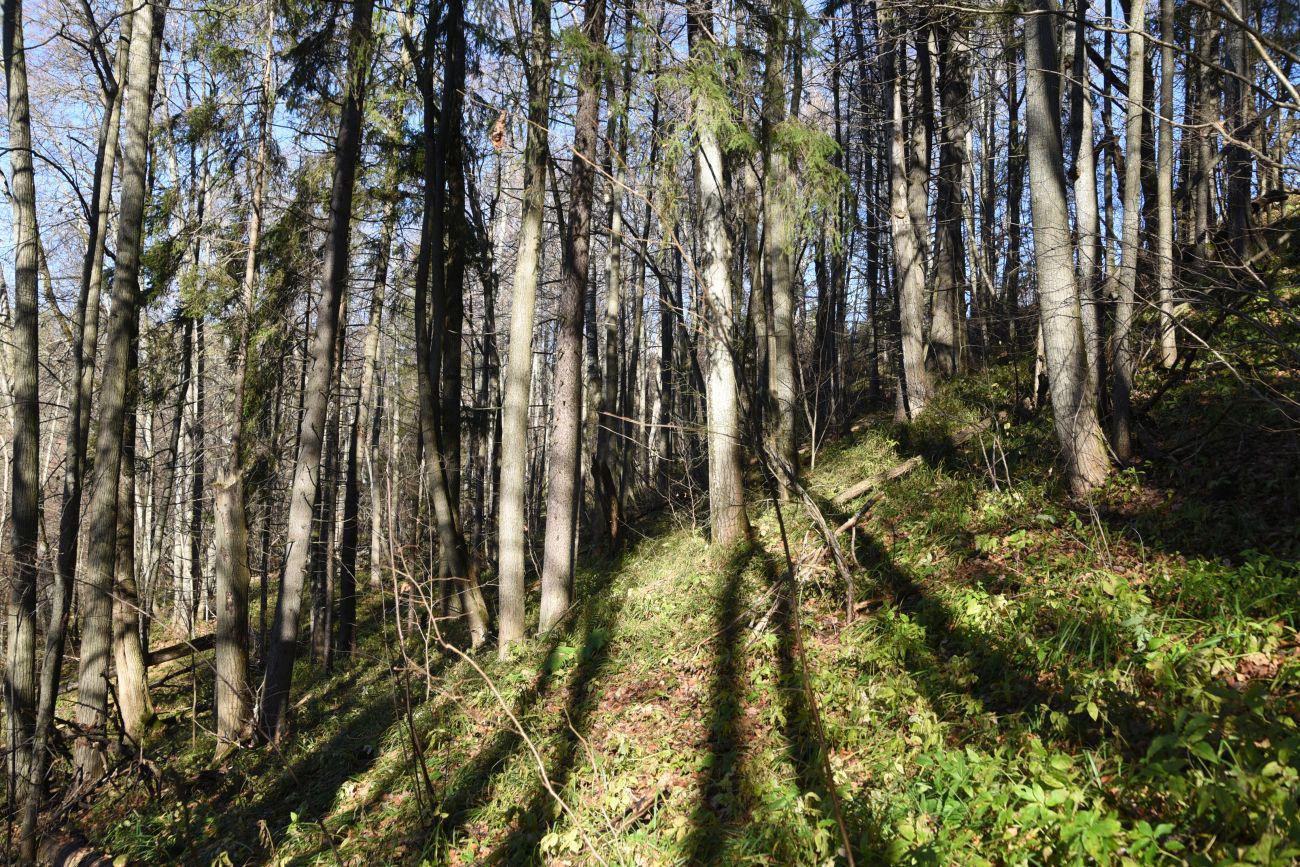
(1074, 410)
(102, 513)
(727, 518)
(132, 690)
(909, 274)
(778, 249)
(511, 517)
(1165, 190)
(1130, 240)
(233, 697)
(562, 490)
(20, 671)
(347, 147)
(950, 280)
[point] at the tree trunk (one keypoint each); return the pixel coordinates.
(727, 517)
(1073, 405)
(1165, 190)
(511, 517)
(306, 477)
(233, 698)
(1130, 241)
(358, 439)
(102, 513)
(566, 415)
(909, 274)
(132, 691)
(20, 674)
(950, 281)
(778, 250)
(1085, 198)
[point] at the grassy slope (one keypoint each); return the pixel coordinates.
(1026, 681)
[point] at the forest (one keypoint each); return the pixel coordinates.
(642, 432)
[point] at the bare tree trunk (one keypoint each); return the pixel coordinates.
(1165, 190)
(950, 279)
(909, 274)
(233, 698)
(562, 495)
(1130, 241)
(609, 472)
(727, 516)
(1083, 446)
(431, 273)
(102, 513)
(20, 659)
(1087, 215)
(778, 248)
(87, 326)
(1237, 154)
(132, 690)
(345, 639)
(279, 665)
(511, 516)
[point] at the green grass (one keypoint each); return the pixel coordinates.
(1027, 680)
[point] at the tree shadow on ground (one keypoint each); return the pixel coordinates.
(599, 624)
(473, 786)
(1002, 682)
(725, 790)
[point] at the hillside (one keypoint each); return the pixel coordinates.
(1026, 679)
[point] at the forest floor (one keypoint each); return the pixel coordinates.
(1026, 679)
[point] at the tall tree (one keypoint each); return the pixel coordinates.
(233, 697)
(778, 246)
(1130, 240)
(20, 668)
(1083, 447)
(274, 702)
(727, 518)
(909, 270)
(511, 518)
(102, 512)
(950, 282)
(1165, 189)
(566, 413)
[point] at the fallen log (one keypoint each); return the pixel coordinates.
(872, 482)
(198, 644)
(897, 471)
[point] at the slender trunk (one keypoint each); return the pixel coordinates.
(1130, 241)
(87, 325)
(1087, 217)
(511, 516)
(359, 437)
(607, 470)
(778, 250)
(102, 513)
(566, 416)
(1073, 404)
(132, 690)
(233, 704)
(1165, 189)
(909, 274)
(950, 279)
(306, 477)
(727, 516)
(20, 658)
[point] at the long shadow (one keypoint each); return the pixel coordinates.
(804, 747)
(600, 622)
(724, 794)
(306, 783)
(474, 783)
(1003, 684)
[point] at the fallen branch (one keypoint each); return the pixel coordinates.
(176, 651)
(959, 437)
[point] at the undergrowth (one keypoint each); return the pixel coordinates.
(1027, 679)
